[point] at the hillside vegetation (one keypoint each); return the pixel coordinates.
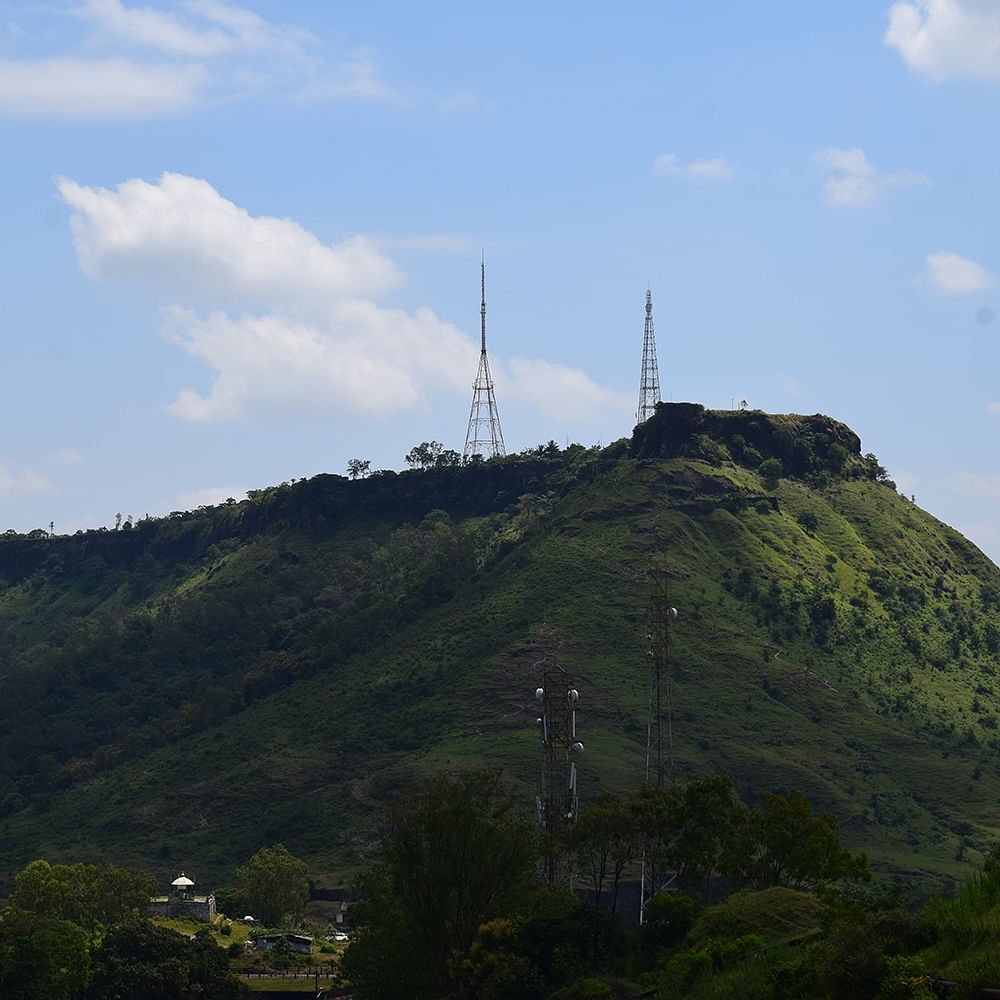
(183, 691)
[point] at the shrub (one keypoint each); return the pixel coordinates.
(771, 471)
(808, 520)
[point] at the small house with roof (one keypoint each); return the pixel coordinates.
(182, 902)
(300, 943)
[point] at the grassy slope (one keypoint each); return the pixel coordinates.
(886, 721)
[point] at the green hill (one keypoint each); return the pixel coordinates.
(183, 691)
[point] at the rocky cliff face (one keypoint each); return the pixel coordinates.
(803, 444)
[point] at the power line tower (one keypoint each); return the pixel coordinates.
(484, 436)
(649, 385)
(558, 801)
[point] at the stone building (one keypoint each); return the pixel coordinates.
(182, 902)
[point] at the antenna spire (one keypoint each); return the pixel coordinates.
(482, 310)
(484, 437)
(649, 385)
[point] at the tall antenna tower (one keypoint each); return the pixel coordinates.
(649, 385)
(558, 802)
(660, 728)
(484, 436)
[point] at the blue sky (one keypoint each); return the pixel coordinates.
(240, 243)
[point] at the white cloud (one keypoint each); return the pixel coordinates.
(716, 169)
(67, 457)
(210, 496)
(282, 319)
(358, 359)
(229, 29)
(24, 483)
(355, 77)
(561, 392)
(942, 38)
(183, 236)
(994, 408)
(97, 88)
(216, 52)
(852, 180)
(954, 275)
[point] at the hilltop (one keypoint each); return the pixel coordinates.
(190, 688)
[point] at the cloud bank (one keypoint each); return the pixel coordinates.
(182, 234)
(286, 323)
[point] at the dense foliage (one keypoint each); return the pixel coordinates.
(275, 669)
(74, 932)
(457, 852)
(438, 920)
(273, 885)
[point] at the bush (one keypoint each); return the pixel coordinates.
(808, 520)
(770, 471)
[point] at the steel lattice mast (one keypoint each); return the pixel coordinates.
(660, 729)
(649, 385)
(558, 801)
(484, 436)
(659, 733)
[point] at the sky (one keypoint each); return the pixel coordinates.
(240, 244)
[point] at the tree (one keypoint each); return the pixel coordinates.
(605, 841)
(785, 844)
(706, 820)
(274, 884)
(424, 456)
(87, 895)
(358, 467)
(138, 960)
(771, 470)
(42, 957)
(808, 520)
(456, 852)
(432, 455)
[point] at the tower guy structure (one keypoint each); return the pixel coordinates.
(484, 436)
(649, 384)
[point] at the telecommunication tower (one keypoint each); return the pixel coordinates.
(649, 385)
(558, 801)
(659, 733)
(484, 436)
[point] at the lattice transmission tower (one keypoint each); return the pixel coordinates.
(484, 436)
(558, 800)
(660, 728)
(649, 384)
